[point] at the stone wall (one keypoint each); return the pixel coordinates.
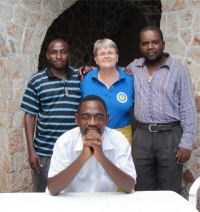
(23, 26)
(180, 25)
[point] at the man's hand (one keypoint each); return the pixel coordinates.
(183, 155)
(83, 70)
(87, 151)
(94, 141)
(129, 72)
(34, 161)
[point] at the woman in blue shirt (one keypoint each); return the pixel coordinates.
(112, 84)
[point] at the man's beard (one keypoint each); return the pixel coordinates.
(153, 60)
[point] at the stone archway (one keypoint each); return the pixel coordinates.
(86, 21)
(24, 24)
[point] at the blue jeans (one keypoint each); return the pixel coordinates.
(40, 179)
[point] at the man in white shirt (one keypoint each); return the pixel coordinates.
(91, 157)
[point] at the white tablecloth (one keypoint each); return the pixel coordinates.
(144, 201)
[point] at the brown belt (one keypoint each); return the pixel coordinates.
(158, 127)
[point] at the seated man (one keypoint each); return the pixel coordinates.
(91, 157)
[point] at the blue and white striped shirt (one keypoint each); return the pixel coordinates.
(46, 96)
(167, 98)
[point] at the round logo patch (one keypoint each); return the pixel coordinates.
(122, 97)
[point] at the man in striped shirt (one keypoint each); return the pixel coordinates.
(53, 95)
(166, 113)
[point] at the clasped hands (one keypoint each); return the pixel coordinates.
(92, 145)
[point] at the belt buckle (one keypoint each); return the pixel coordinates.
(152, 125)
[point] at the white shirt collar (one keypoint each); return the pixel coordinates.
(106, 144)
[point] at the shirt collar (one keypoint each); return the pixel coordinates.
(69, 72)
(106, 144)
(122, 74)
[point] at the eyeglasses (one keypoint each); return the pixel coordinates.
(103, 54)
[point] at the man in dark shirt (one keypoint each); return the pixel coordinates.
(53, 95)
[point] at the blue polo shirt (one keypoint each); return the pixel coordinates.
(119, 97)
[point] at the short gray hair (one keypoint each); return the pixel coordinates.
(104, 43)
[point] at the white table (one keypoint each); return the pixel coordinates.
(144, 201)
